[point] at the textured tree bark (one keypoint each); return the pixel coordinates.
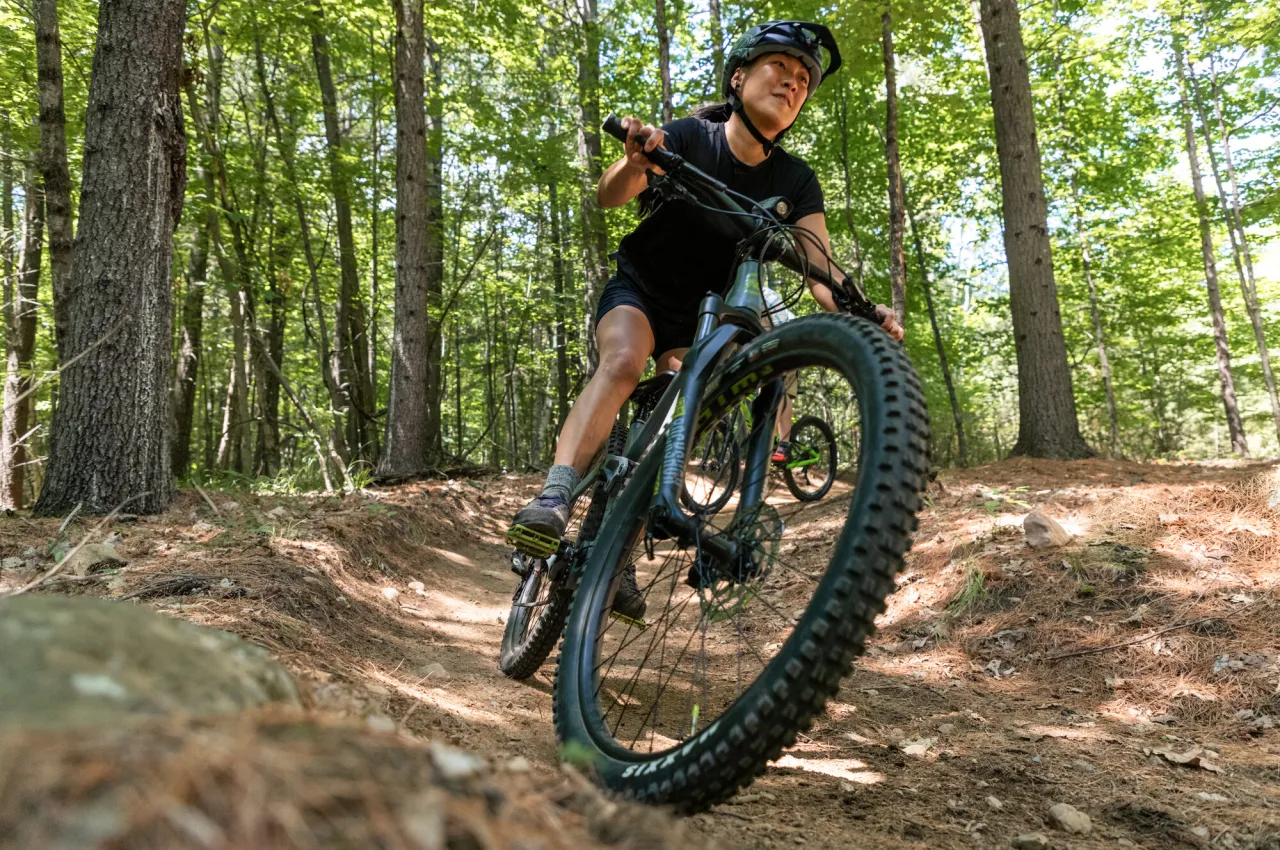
(1047, 424)
(595, 248)
(1235, 426)
(349, 318)
(435, 245)
(664, 57)
(926, 284)
(53, 163)
(109, 443)
(897, 257)
(717, 47)
(191, 337)
(1235, 231)
(20, 310)
(405, 447)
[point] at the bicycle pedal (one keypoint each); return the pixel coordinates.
(532, 542)
(639, 625)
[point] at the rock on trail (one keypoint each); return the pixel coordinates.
(76, 661)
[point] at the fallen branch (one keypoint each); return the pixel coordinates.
(61, 565)
(1186, 625)
(207, 500)
(35, 385)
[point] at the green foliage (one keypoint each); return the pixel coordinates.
(1110, 141)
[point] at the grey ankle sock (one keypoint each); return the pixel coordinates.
(561, 481)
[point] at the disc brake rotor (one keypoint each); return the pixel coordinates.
(724, 591)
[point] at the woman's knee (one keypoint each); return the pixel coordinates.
(623, 366)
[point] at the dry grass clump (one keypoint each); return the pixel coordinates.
(287, 781)
(1235, 520)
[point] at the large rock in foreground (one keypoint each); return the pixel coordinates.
(76, 661)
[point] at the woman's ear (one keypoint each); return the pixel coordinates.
(736, 81)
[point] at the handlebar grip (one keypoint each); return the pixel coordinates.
(613, 126)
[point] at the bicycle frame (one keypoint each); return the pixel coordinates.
(723, 325)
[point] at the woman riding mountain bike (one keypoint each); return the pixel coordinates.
(678, 252)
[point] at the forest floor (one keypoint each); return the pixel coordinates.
(1133, 674)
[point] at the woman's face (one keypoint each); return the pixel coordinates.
(773, 88)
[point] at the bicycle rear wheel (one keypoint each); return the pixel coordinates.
(733, 660)
(540, 604)
(812, 468)
(714, 467)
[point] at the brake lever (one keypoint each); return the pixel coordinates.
(850, 300)
(668, 188)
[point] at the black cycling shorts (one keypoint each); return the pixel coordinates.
(669, 330)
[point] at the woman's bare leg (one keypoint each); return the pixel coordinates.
(625, 341)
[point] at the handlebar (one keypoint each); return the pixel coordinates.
(845, 292)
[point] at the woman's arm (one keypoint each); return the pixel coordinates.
(819, 254)
(626, 178)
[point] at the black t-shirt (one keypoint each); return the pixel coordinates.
(677, 254)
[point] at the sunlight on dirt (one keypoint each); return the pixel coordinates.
(1029, 676)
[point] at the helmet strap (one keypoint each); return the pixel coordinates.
(736, 104)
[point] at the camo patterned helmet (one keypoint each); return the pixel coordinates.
(805, 41)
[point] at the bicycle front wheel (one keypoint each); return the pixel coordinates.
(730, 661)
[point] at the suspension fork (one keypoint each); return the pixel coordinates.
(764, 410)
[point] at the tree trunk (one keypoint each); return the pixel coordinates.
(717, 48)
(20, 308)
(1235, 230)
(1047, 424)
(406, 446)
(1086, 262)
(375, 203)
(664, 57)
(897, 257)
(191, 340)
(53, 164)
(7, 238)
(349, 319)
(595, 248)
(843, 111)
(435, 245)
(459, 429)
(109, 443)
(279, 255)
(286, 146)
(558, 280)
(926, 284)
(1104, 363)
(1235, 426)
(234, 445)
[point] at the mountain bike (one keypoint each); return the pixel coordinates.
(754, 611)
(715, 462)
(811, 468)
(540, 603)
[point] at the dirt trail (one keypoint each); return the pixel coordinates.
(961, 726)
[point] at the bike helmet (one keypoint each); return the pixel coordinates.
(801, 39)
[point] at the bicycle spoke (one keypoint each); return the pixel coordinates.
(711, 629)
